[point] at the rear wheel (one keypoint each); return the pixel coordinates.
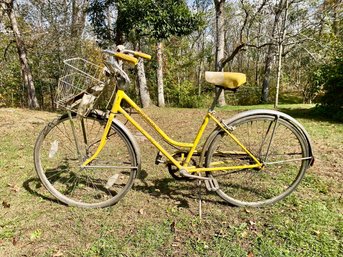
(276, 143)
(58, 162)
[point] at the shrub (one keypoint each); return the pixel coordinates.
(330, 77)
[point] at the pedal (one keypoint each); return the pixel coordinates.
(158, 158)
(212, 184)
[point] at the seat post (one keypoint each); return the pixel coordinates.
(215, 100)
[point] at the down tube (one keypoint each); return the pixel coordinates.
(123, 96)
(118, 108)
(150, 138)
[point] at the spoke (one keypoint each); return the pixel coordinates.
(64, 133)
(289, 160)
(263, 138)
(71, 189)
(53, 175)
(86, 185)
(110, 167)
(272, 136)
(84, 132)
(61, 145)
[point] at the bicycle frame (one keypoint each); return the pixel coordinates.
(116, 108)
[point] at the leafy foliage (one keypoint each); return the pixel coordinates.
(330, 75)
(47, 28)
(142, 18)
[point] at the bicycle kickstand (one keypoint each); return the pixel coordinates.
(210, 183)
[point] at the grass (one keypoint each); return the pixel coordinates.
(159, 216)
(266, 106)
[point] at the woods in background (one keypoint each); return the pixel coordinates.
(291, 50)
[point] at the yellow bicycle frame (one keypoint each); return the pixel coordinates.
(116, 108)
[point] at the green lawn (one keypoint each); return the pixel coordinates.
(159, 216)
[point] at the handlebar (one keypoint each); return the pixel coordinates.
(113, 67)
(126, 55)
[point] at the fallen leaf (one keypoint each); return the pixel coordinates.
(244, 234)
(175, 244)
(250, 254)
(14, 188)
(6, 204)
(58, 254)
(177, 203)
(317, 232)
(15, 240)
(173, 227)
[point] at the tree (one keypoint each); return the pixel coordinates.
(270, 53)
(220, 41)
(159, 73)
(280, 50)
(78, 17)
(8, 7)
(145, 19)
(57, 31)
(246, 39)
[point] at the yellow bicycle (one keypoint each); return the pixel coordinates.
(88, 158)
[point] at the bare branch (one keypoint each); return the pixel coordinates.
(223, 62)
(257, 12)
(239, 48)
(6, 49)
(260, 46)
(245, 21)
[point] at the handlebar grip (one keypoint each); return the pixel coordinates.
(127, 58)
(142, 55)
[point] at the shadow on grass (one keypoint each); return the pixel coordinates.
(180, 191)
(311, 114)
(33, 185)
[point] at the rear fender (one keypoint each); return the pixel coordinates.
(241, 115)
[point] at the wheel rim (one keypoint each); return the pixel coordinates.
(107, 178)
(272, 141)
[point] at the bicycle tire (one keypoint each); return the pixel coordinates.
(107, 179)
(277, 142)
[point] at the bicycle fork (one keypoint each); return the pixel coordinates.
(74, 134)
(102, 141)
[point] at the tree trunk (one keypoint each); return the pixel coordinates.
(143, 88)
(78, 22)
(75, 10)
(220, 42)
(160, 86)
(78, 17)
(280, 43)
(199, 76)
(25, 68)
(270, 55)
(257, 59)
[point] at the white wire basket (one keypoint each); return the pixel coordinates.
(80, 86)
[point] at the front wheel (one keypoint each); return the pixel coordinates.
(64, 144)
(274, 141)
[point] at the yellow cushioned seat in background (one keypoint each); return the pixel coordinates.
(226, 80)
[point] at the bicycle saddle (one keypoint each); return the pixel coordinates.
(226, 80)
